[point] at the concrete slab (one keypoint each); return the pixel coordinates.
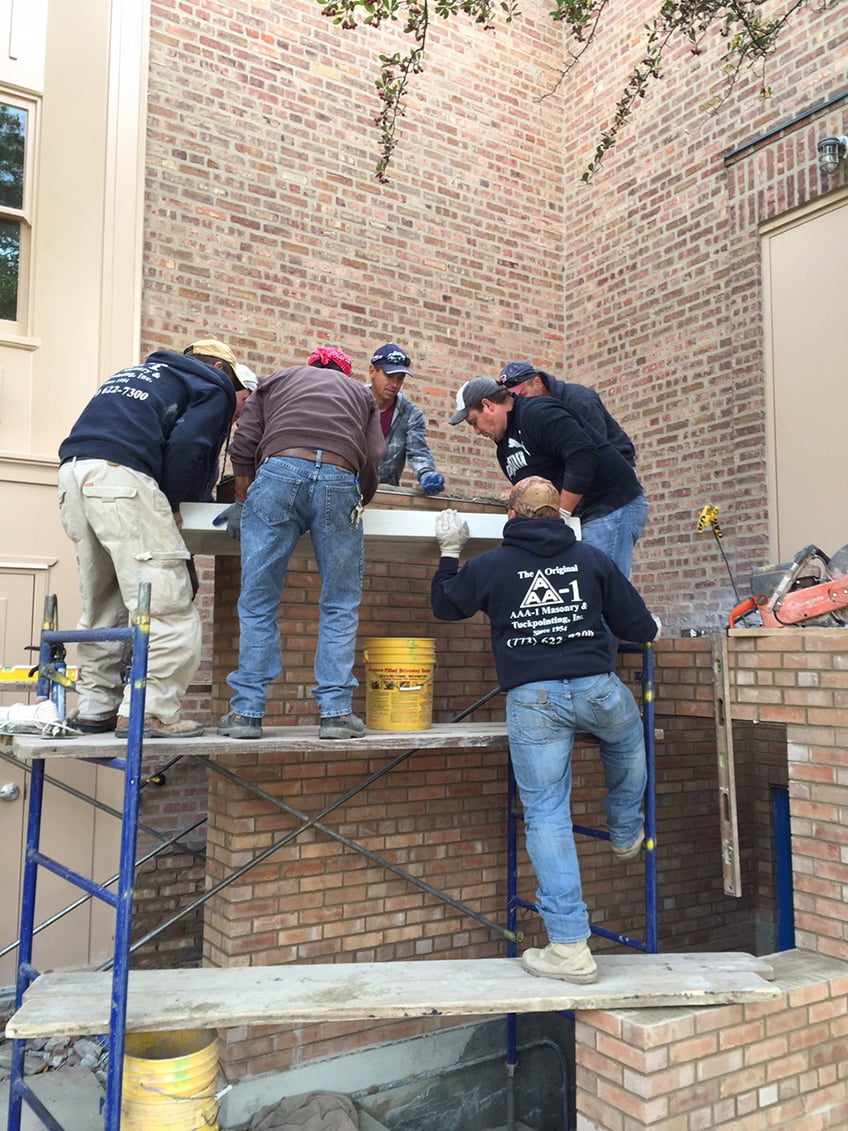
(390, 534)
(71, 1095)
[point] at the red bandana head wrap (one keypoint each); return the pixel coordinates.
(324, 356)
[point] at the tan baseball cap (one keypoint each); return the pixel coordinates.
(212, 347)
(534, 497)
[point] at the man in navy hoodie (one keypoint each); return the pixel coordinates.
(148, 440)
(549, 599)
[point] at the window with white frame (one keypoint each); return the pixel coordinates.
(16, 130)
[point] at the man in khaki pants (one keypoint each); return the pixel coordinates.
(148, 440)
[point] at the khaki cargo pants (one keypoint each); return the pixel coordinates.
(124, 533)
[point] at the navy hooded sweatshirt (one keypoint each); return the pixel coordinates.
(167, 418)
(591, 411)
(545, 595)
(544, 438)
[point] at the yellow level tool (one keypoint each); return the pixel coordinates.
(20, 673)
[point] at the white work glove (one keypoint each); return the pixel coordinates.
(451, 532)
(564, 514)
(658, 623)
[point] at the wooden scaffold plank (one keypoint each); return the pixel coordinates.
(69, 1003)
(275, 740)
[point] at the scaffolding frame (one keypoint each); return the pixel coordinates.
(51, 659)
(52, 654)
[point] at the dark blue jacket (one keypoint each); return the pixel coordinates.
(589, 409)
(544, 438)
(166, 418)
(547, 597)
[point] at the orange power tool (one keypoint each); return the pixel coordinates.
(812, 589)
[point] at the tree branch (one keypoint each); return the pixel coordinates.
(750, 41)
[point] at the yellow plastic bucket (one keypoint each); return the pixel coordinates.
(169, 1081)
(399, 683)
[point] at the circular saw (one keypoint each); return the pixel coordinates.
(812, 589)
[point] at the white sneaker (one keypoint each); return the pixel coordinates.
(570, 962)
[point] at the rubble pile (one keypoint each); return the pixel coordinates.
(52, 1053)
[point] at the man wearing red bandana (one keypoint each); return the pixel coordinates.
(329, 357)
(305, 458)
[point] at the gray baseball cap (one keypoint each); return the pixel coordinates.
(472, 394)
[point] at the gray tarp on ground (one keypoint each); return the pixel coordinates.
(313, 1111)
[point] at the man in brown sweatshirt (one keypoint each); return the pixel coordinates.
(305, 457)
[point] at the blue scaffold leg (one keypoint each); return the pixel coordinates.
(52, 654)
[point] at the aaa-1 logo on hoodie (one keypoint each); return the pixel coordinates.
(540, 593)
(549, 613)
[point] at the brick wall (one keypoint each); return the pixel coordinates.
(745, 1067)
(663, 294)
(795, 681)
(444, 818)
(264, 224)
(780, 1064)
(439, 816)
(264, 221)
(801, 679)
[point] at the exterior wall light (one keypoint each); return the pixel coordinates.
(831, 151)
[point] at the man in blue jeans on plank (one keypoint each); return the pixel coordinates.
(548, 598)
(305, 458)
(540, 436)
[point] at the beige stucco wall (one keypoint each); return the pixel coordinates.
(83, 66)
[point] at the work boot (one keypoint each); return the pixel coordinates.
(629, 851)
(155, 728)
(94, 726)
(570, 962)
(232, 725)
(341, 726)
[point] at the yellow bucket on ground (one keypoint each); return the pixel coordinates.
(399, 683)
(169, 1081)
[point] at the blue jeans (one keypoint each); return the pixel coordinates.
(287, 498)
(542, 719)
(616, 533)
